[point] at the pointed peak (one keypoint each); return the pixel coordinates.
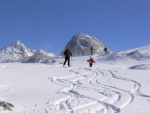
(79, 34)
(82, 35)
(17, 42)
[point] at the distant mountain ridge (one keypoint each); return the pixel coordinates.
(39, 56)
(81, 43)
(17, 51)
(141, 53)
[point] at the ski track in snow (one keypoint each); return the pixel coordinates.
(102, 95)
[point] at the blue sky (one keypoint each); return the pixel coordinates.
(50, 24)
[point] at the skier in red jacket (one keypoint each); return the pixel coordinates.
(91, 61)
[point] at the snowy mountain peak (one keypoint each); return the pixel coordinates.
(81, 43)
(15, 52)
(81, 35)
(17, 44)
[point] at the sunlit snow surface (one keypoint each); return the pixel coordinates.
(110, 86)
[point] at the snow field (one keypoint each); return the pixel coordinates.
(107, 87)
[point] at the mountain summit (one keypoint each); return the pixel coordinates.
(80, 45)
(14, 52)
(17, 51)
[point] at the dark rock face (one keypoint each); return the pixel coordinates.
(80, 45)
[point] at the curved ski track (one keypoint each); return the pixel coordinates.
(90, 90)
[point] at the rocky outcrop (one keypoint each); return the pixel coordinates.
(7, 106)
(39, 56)
(80, 45)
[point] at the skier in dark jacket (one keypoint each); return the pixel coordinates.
(91, 61)
(91, 49)
(105, 49)
(67, 54)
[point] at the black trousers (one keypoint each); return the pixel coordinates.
(90, 65)
(91, 52)
(67, 59)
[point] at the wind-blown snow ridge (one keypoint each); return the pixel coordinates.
(141, 67)
(142, 53)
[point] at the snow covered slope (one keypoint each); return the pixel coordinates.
(141, 53)
(107, 87)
